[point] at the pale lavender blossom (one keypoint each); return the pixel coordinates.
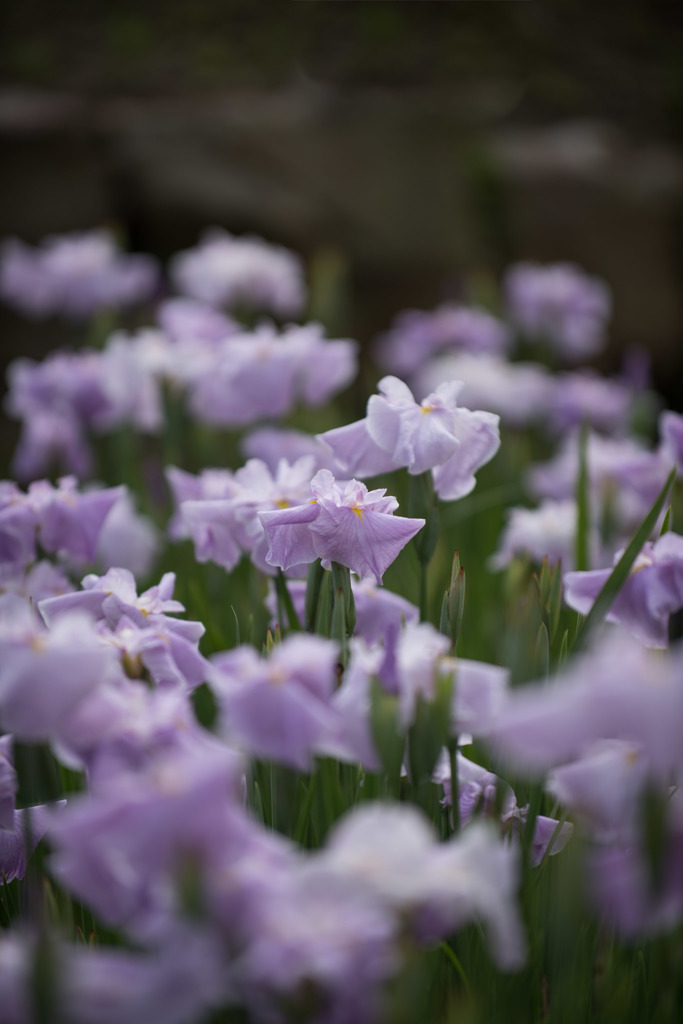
(548, 531)
(520, 393)
(278, 709)
(602, 786)
(341, 522)
(271, 444)
(435, 435)
(127, 539)
(415, 336)
(184, 318)
(318, 935)
(18, 842)
(241, 273)
(624, 478)
(263, 374)
(559, 304)
(585, 397)
(122, 848)
(391, 851)
(619, 690)
(651, 593)
(20, 830)
(70, 521)
(130, 385)
(409, 665)
(41, 580)
(45, 674)
(113, 596)
(74, 275)
(64, 520)
(56, 401)
(621, 880)
(178, 982)
(18, 527)
(671, 437)
(378, 610)
(210, 484)
(478, 793)
(224, 528)
(51, 440)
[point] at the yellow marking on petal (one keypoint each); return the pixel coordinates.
(358, 511)
(426, 408)
(282, 503)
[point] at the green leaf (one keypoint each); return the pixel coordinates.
(314, 582)
(430, 730)
(542, 651)
(286, 610)
(386, 732)
(619, 574)
(582, 555)
(666, 525)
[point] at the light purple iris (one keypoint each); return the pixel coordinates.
(20, 830)
(223, 528)
(44, 675)
(342, 522)
(278, 709)
(378, 610)
(435, 435)
(263, 374)
(619, 690)
(622, 885)
(121, 849)
(520, 393)
(671, 437)
(585, 397)
(319, 938)
(241, 273)
(74, 275)
(561, 304)
(651, 593)
(187, 318)
(477, 790)
(391, 851)
(548, 531)
(415, 336)
(271, 444)
(623, 476)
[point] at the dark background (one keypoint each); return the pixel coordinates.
(408, 150)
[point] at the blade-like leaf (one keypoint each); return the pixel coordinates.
(617, 578)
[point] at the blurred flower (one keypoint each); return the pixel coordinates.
(558, 304)
(520, 393)
(548, 531)
(585, 397)
(279, 708)
(237, 273)
(391, 850)
(624, 477)
(74, 275)
(652, 591)
(415, 336)
(263, 374)
(183, 319)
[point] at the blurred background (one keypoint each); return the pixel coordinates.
(409, 151)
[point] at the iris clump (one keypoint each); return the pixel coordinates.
(306, 718)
